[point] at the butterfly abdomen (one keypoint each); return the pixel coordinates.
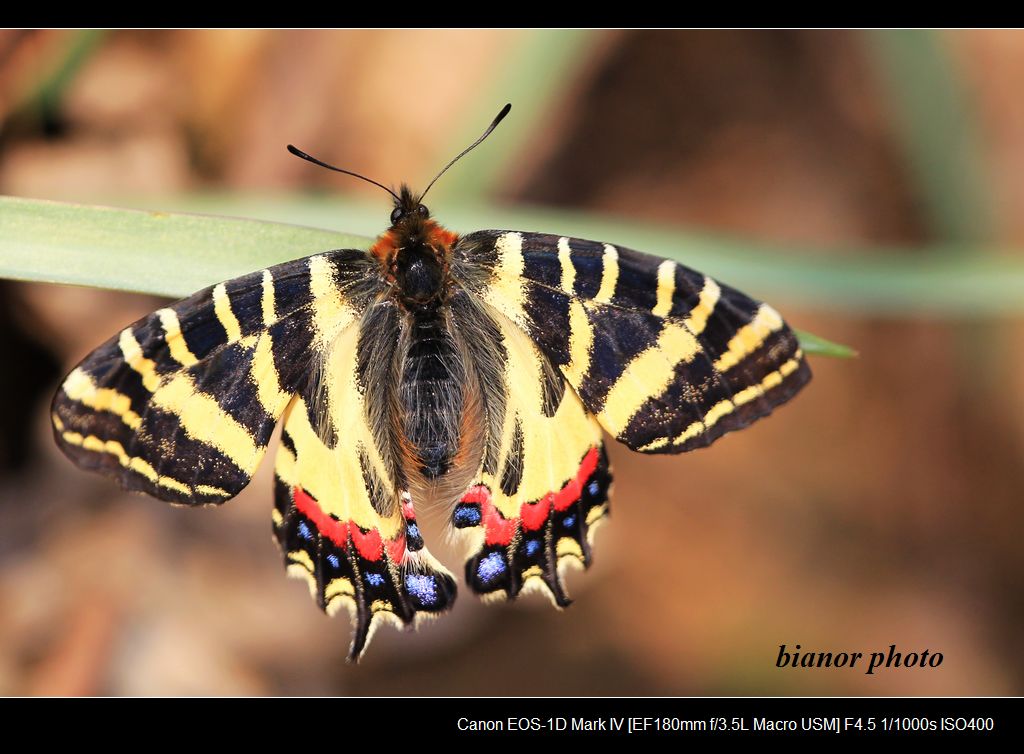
(432, 394)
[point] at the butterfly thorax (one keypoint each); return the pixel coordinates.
(414, 254)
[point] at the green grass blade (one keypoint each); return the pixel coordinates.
(42, 101)
(162, 253)
(943, 280)
(148, 252)
(935, 122)
(818, 346)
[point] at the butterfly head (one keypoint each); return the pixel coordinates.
(408, 208)
(414, 252)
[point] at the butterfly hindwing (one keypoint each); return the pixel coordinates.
(544, 481)
(667, 358)
(344, 517)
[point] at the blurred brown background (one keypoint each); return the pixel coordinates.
(883, 506)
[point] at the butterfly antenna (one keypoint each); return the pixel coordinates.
(471, 147)
(299, 153)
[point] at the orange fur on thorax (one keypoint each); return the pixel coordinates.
(385, 246)
(440, 237)
(435, 235)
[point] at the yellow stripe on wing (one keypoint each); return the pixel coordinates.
(79, 386)
(568, 278)
(726, 407)
(551, 446)
(331, 313)
(581, 343)
(204, 420)
(339, 587)
(132, 353)
(697, 319)
(268, 300)
(567, 546)
(647, 376)
(609, 274)
(506, 292)
(652, 371)
(263, 374)
(134, 463)
(175, 340)
(335, 476)
(666, 288)
(749, 337)
(225, 314)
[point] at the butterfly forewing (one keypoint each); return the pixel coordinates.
(182, 403)
(667, 359)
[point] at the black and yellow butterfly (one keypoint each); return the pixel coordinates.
(477, 371)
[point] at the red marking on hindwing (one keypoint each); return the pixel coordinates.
(500, 530)
(535, 515)
(370, 545)
(571, 492)
(396, 548)
(336, 531)
(477, 494)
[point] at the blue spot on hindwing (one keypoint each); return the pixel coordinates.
(594, 488)
(532, 547)
(466, 514)
(569, 521)
(491, 567)
(333, 560)
(374, 579)
(304, 531)
(422, 587)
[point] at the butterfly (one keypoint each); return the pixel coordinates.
(478, 372)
